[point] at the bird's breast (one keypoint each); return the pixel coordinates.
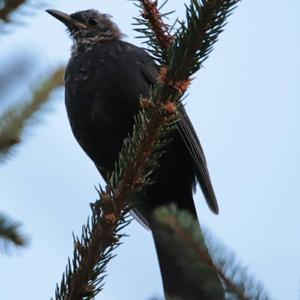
(102, 96)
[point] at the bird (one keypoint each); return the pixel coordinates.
(104, 81)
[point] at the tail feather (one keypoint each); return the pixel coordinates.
(177, 276)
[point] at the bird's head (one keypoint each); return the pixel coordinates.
(88, 26)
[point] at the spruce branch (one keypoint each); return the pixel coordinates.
(194, 40)
(182, 54)
(13, 121)
(83, 278)
(185, 51)
(10, 233)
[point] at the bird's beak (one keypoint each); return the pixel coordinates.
(66, 19)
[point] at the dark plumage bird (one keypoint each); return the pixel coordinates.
(104, 81)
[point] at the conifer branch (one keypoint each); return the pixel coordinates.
(13, 121)
(194, 40)
(184, 52)
(10, 233)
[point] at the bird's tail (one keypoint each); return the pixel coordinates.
(177, 274)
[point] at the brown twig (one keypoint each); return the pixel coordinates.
(158, 26)
(178, 85)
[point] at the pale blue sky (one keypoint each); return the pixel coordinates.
(245, 107)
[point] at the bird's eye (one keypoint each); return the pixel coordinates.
(93, 21)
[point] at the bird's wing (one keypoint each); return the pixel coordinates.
(150, 73)
(193, 145)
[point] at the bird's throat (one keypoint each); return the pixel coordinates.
(85, 44)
